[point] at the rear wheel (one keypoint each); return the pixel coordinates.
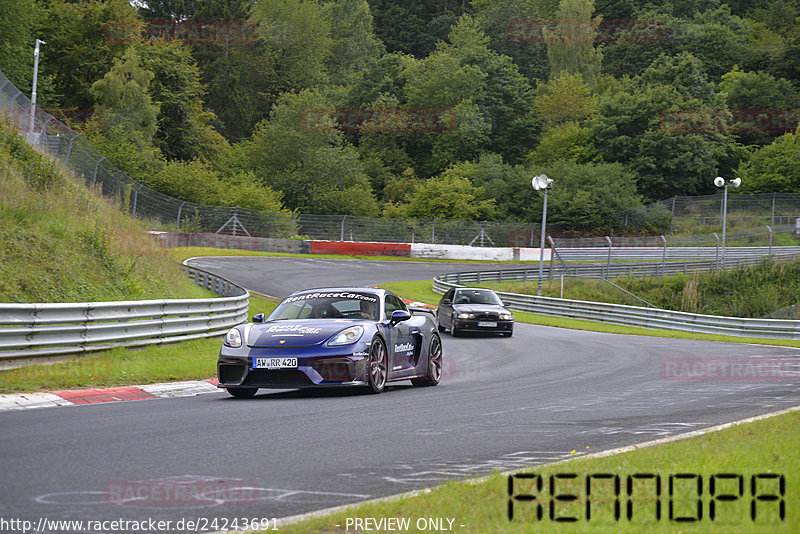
(242, 393)
(434, 373)
(376, 368)
(454, 331)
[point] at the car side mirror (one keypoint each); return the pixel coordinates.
(399, 316)
(447, 301)
(258, 318)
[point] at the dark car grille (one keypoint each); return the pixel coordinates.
(281, 377)
(339, 370)
(231, 373)
(486, 316)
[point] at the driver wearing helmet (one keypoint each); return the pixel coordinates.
(367, 309)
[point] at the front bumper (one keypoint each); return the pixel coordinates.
(471, 325)
(343, 367)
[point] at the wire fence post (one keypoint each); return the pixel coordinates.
(341, 235)
(664, 257)
(716, 256)
(178, 220)
(94, 176)
(769, 228)
(772, 218)
(675, 198)
(433, 232)
(608, 263)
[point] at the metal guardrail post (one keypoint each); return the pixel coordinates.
(716, 257)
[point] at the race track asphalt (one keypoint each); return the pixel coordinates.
(503, 403)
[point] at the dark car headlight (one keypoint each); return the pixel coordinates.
(347, 336)
(506, 317)
(233, 338)
(464, 315)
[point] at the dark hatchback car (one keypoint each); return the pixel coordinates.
(474, 309)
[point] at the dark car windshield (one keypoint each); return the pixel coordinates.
(476, 296)
(327, 305)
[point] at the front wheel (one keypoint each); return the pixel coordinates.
(242, 393)
(434, 373)
(376, 367)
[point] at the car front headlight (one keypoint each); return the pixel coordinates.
(348, 336)
(466, 315)
(233, 338)
(506, 317)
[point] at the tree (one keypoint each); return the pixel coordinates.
(588, 196)
(123, 100)
(81, 47)
(573, 49)
(17, 20)
(629, 129)
(775, 167)
(565, 141)
(354, 43)
(508, 185)
(486, 92)
(450, 195)
(185, 131)
(495, 19)
(414, 26)
(565, 98)
(774, 97)
(721, 41)
(299, 152)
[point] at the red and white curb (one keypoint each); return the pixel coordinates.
(22, 401)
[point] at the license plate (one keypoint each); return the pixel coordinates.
(490, 324)
(274, 363)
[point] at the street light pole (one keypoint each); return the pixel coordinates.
(719, 181)
(541, 245)
(35, 77)
(545, 183)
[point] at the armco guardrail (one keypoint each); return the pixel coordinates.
(672, 253)
(40, 330)
(618, 313)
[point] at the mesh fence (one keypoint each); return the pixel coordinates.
(747, 214)
(690, 214)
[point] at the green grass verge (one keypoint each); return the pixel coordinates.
(420, 290)
(767, 446)
(187, 360)
(61, 242)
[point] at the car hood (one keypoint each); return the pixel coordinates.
(297, 333)
(480, 308)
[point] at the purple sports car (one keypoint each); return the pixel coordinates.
(332, 337)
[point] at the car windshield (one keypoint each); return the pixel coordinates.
(327, 305)
(476, 296)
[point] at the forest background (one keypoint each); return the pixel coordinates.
(265, 104)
